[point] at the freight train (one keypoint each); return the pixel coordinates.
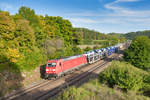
(58, 67)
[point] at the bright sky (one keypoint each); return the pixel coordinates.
(101, 15)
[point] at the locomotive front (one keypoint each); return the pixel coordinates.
(51, 68)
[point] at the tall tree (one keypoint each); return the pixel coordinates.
(24, 34)
(138, 53)
(30, 15)
(7, 28)
(35, 22)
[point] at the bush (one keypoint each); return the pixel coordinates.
(31, 60)
(138, 52)
(124, 75)
(68, 51)
(87, 49)
(96, 47)
(88, 42)
(95, 91)
(76, 50)
(74, 93)
(146, 85)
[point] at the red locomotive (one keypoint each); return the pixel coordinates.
(57, 67)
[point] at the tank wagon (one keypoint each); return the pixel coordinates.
(58, 67)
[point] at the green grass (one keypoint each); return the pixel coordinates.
(126, 76)
(120, 76)
(93, 90)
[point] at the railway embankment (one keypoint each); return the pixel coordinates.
(120, 81)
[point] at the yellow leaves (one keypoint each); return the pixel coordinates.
(7, 26)
(2, 44)
(6, 22)
(23, 25)
(13, 55)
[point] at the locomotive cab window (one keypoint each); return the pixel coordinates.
(51, 64)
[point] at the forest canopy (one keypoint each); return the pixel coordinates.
(133, 35)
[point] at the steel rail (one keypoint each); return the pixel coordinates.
(75, 81)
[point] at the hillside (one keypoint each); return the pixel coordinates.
(90, 37)
(132, 35)
(122, 75)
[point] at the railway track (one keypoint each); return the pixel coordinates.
(63, 83)
(76, 81)
(80, 79)
(24, 90)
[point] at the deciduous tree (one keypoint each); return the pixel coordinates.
(138, 53)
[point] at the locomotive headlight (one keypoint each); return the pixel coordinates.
(47, 69)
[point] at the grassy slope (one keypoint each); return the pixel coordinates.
(96, 91)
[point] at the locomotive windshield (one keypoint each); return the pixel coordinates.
(51, 65)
